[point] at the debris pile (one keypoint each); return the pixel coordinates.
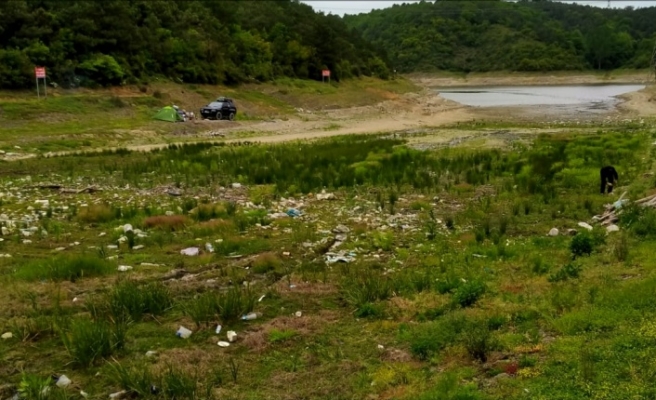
(611, 216)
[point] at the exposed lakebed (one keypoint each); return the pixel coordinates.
(581, 98)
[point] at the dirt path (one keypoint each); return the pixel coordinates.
(424, 110)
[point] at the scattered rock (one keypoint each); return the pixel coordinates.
(585, 225)
(612, 228)
(554, 232)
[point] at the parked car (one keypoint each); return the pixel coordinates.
(221, 108)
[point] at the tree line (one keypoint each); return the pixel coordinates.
(112, 42)
(467, 36)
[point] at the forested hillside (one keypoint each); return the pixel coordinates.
(523, 36)
(109, 42)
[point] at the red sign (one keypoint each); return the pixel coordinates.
(40, 72)
(325, 73)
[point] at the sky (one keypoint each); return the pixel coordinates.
(357, 7)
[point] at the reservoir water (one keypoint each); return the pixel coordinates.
(581, 97)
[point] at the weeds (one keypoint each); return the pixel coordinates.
(64, 268)
(88, 341)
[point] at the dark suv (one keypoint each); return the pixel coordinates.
(220, 108)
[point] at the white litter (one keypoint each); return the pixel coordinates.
(190, 251)
(183, 332)
(218, 329)
(63, 381)
(223, 344)
(232, 335)
(298, 313)
(124, 268)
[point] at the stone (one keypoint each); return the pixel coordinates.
(612, 228)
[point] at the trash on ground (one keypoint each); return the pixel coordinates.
(63, 381)
(138, 247)
(118, 395)
(292, 212)
(7, 335)
(151, 353)
(223, 344)
(190, 251)
(183, 332)
(209, 247)
(585, 225)
(127, 228)
(612, 228)
(232, 336)
(249, 316)
(261, 298)
(332, 258)
(124, 268)
(218, 329)
(554, 232)
(298, 314)
(326, 196)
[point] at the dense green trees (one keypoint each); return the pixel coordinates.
(113, 41)
(498, 35)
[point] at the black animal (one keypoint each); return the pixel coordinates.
(609, 178)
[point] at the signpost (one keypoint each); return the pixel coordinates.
(325, 74)
(40, 73)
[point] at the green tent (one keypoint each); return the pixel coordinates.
(169, 114)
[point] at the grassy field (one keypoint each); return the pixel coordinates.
(415, 275)
(84, 119)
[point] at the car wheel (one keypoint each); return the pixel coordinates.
(231, 117)
(218, 115)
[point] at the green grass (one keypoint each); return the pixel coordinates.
(441, 295)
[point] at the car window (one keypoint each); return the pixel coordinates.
(215, 104)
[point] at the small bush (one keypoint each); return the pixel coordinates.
(266, 262)
(235, 302)
(34, 387)
(539, 266)
(277, 335)
(170, 223)
(468, 293)
(88, 341)
(478, 340)
(370, 310)
(581, 244)
(97, 213)
(429, 338)
(202, 309)
(64, 268)
(570, 270)
(133, 300)
(621, 248)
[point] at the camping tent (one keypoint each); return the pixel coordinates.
(168, 114)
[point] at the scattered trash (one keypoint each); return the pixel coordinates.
(190, 251)
(381, 347)
(145, 264)
(138, 247)
(63, 381)
(326, 196)
(218, 329)
(183, 332)
(341, 229)
(118, 395)
(236, 185)
(478, 255)
(7, 335)
(585, 225)
(232, 335)
(261, 298)
(127, 228)
(292, 212)
(620, 203)
(124, 268)
(249, 316)
(298, 314)
(151, 353)
(84, 394)
(612, 228)
(554, 232)
(286, 253)
(223, 344)
(209, 247)
(332, 258)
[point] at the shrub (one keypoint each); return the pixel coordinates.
(128, 298)
(64, 268)
(169, 223)
(266, 262)
(570, 270)
(621, 248)
(276, 335)
(478, 340)
(429, 338)
(88, 341)
(581, 244)
(235, 302)
(202, 309)
(97, 213)
(468, 293)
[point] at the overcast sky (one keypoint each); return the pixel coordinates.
(357, 7)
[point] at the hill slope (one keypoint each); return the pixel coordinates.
(114, 41)
(496, 35)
